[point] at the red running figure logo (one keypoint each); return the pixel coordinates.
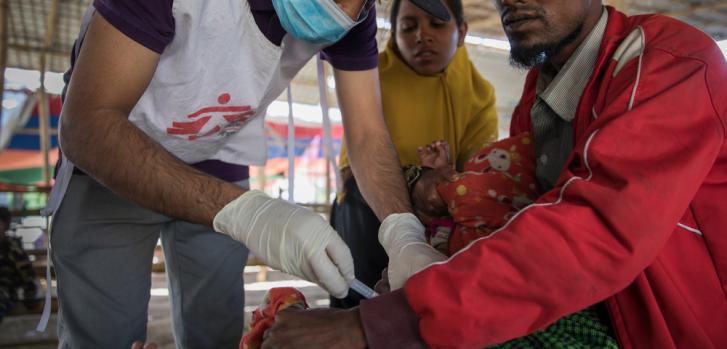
(222, 119)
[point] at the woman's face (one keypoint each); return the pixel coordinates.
(426, 44)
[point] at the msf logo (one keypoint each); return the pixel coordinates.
(222, 120)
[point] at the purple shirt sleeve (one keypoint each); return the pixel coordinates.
(389, 322)
(357, 50)
(148, 22)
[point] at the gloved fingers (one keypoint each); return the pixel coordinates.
(398, 228)
(412, 258)
(396, 277)
(421, 255)
(340, 254)
(328, 275)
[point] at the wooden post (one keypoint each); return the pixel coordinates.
(43, 108)
(43, 113)
(619, 5)
(3, 51)
(262, 179)
(326, 152)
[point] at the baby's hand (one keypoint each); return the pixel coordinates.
(435, 155)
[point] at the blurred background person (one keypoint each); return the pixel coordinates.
(16, 271)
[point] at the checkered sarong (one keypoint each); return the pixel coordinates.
(582, 330)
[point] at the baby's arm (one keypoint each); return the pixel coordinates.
(435, 155)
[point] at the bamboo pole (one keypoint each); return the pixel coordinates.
(43, 108)
(326, 151)
(619, 5)
(44, 132)
(262, 179)
(3, 51)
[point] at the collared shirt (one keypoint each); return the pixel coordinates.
(558, 95)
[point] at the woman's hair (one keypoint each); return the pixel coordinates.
(454, 5)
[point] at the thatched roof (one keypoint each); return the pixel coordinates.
(27, 30)
(28, 19)
(28, 22)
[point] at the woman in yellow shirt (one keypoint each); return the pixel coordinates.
(430, 91)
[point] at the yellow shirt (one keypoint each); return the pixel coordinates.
(457, 105)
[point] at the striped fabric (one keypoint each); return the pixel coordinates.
(558, 94)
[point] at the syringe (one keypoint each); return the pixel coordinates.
(362, 289)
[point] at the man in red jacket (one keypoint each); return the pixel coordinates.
(629, 118)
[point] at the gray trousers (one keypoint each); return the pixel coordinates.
(102, 248)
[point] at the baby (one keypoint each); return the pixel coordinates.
(458, 208)
(496, 182)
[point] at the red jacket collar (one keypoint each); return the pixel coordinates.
(616, 30)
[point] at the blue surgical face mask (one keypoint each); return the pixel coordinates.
(316, 21)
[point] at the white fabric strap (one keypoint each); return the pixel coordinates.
(63, 177)
(291, 148)
(45, 317)
(327, 137)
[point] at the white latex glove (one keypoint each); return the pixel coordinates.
(289, 238)
(402, 235)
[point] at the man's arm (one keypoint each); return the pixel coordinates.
(111, 74)
(615, 206)
(378, 173)
(373, 157)
(323, 329)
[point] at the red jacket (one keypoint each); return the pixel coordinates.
(638, 218)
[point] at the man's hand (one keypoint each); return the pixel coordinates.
(290, 238)
(316, 328)
(402, 236)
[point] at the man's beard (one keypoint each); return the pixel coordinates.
(537, 55)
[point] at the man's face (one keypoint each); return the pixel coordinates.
(538, 29)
